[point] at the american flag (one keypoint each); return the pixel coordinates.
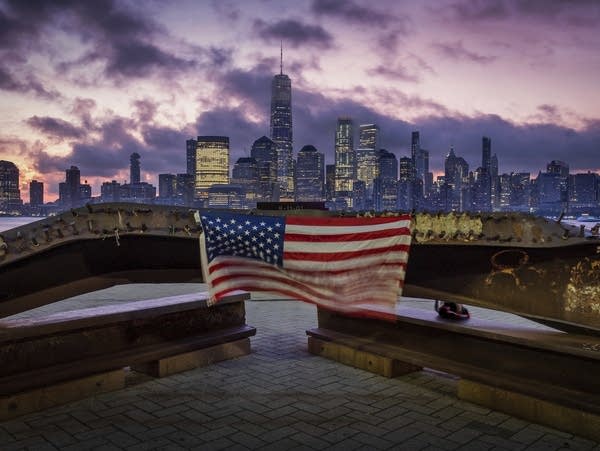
(342, 264)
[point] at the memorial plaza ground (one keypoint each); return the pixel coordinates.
(279, 397)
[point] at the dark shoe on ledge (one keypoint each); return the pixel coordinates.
(453, 311)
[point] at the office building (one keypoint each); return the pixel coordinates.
(366, 156)
(281, 130)
(134, 168)
(190, 156)
(385, 186)
(245, 174)
(212, 164)
(345, 160)
(167, 185)
(329, 182)
(264, 151)
(69, 191)
(583, 192)
(310, 173)
(110, 191)
(36, 193)
(10, 194)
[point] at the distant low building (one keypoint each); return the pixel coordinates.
(227, 196)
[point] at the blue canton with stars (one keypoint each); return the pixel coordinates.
(258, 237)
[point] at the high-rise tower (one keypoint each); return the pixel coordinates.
(212, 164)
(264, 152)
(345, 157)
(366, 155)
(310, 173)
(281, 130)
(486, 154)
(190, 156)
(134, 168)
(10, 194)
(36, 193)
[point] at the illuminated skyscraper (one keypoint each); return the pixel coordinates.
(345, 160)
(264, 151)
(281, 130)
(134, 168)
(167, 184)
(486, 154)
(10, 195)
(310, 173)
(190, 156)
(245, 174)
(420, 160)
(329, 182)
(385, 186)
(212, 164)
(366, 156)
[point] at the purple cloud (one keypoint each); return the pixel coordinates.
(56, 128)
(577, 13)
(456, 50)
(349, 10)
(26, 84)
(293, 32)
(122, 39)
(396, 72)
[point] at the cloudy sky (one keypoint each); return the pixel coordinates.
(87, 83)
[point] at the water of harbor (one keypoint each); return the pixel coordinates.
(10, 222)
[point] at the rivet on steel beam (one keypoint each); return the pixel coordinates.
(74, 228)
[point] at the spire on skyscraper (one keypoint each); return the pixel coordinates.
(281, 129)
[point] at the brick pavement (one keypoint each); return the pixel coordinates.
(279, 397)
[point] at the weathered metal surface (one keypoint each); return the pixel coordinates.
(63, 346)
(93, 248)
(550, 365)
(518, 263)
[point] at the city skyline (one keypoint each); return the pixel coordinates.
(89, 83)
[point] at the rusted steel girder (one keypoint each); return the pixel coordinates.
(518, 263)
(42, 351)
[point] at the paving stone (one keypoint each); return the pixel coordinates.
(346, 445)
(372, 441)
(247, 440)
(527, 436)
(59, 438)
(280, 397)
(30, 442)
(86, 444)
(160, 443)
(185, 439)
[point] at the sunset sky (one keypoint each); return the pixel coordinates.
(87, 83)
